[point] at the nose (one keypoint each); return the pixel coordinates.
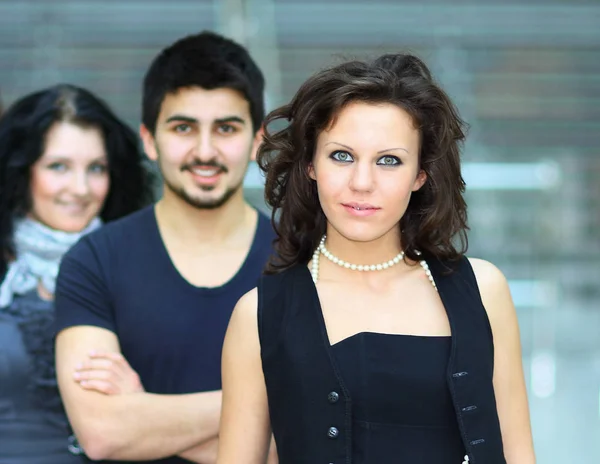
(362, 179)
(80, 185)
(205, 148)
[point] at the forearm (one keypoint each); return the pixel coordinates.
(521, 453)
(144, 426)
(205, 453)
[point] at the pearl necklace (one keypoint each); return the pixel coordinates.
(359, 267)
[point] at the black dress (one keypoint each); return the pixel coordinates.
(33, 425)
(402, 409)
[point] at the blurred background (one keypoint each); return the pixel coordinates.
(524, 73)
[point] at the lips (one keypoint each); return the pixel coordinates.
(74, 207)
(206, 169)
(360, 206)
(206, 176)
(360, 209)
(204, 172)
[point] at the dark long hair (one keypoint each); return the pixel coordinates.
(436, 214)
(23, 129)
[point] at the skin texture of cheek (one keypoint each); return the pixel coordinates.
(202, 181)
(390, 193)
(175, 153)
(55, 206)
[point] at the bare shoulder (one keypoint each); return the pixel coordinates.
(491, 281)
(487, 274)
(241, 349)
(247, 305)
(494, 290)
(244, 316)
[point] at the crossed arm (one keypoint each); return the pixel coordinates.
(115, 419)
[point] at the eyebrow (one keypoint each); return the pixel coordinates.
(379, 152)
(182, 118)
(230, 119)
(188, 119)
(64, 158)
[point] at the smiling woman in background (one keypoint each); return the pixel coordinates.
(67, 164)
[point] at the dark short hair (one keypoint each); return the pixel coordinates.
(205, 60)
(436, 214)
(23, 130)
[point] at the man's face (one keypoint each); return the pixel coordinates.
(203, 143)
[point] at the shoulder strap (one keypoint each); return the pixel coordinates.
(273, 294)
(457, 286)
(455, 274)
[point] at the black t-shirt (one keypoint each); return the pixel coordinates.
(121, 278)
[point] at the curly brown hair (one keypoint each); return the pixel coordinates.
(437, 213)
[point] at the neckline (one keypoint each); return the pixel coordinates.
(395, 336)
(307, 283)
(252, 252)
(306, 275)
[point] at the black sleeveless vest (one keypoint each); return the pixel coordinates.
(309, 406)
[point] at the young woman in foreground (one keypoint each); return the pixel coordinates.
(372, 339)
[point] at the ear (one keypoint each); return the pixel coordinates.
(258, 140)
(420, 180)
(311, 171)
(149, 143)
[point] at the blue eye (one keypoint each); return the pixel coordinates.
(341, 156)
(388, 160)
(57, 167)
(98, 168)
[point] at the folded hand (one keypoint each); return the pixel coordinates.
(108, 373)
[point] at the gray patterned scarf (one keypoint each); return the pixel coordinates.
(39, 250)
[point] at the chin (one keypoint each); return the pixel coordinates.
(205, 198)
(359, 235)
(202, 194)
(71, 226)
(365, 232)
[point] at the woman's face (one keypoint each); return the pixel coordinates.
(70, 181)
(366, 167)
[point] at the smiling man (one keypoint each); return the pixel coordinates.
(143, 305)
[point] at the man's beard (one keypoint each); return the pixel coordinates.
(199, 203)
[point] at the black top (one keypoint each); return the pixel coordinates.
(33, 425)
(401, 403)
(311, 407)
(121, 278)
